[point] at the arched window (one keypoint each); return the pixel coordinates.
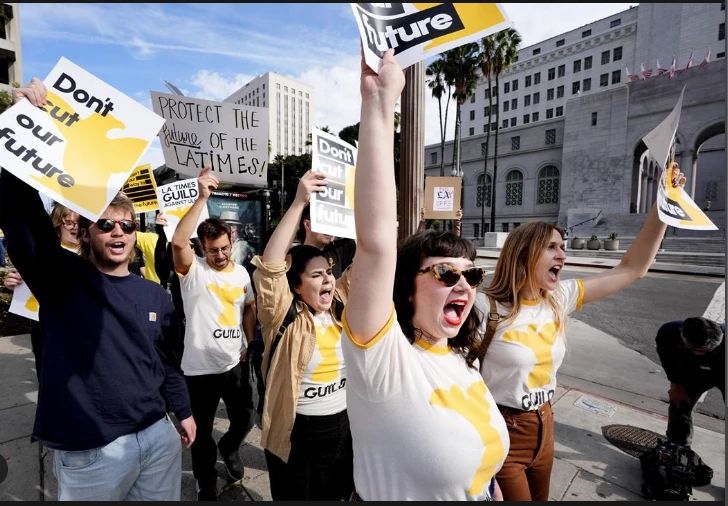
(488, 190)
(548, 185)
(514, 188)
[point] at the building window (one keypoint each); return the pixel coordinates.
(616, 76)
(721, 31)
(585, 33)
(526, 100)
(526, 119)
(494, 91)
(722, 6)
(560, 42)
(594, 119)
(603, 80)
(487, 93)
(482, 145)
(471, 131)
(528, 81)
(515, 85)
(504, 226)
(711, 190)
(506, 88)
(549, 113)
(548, 185)
(615, 23)
(493, 126)
(617, 54)
(488, 190)
(505, 123)
(433, 158)
(506, 106)
(514, 188)
(586, 85)
(575, 87)
(550, 94)
(550, 134)
(472, 115)
(552, 74)
(293, 91)
(476, 229)
(534, 116)
(577, 66)
(278, 86)
(537, 78)
(515, 143)
(285, 89)
(605, 57)
(587, 63)
(536, 98)
(472, 99)
(486, 111)
(720, 55)
(514, 121)
(485, 129)
(514, 104)
(560, 111)
(560, 92)
(536, 51)
(562, 71)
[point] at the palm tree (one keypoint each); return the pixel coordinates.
(461, 69)
(506, 51)
(437, 83)
(487, 53)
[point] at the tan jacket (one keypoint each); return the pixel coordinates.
(295, 349)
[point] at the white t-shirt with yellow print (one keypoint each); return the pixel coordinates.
(323, 386)
(524, 355)
(213, 302)
(424, 425)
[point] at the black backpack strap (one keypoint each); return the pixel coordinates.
(492, 319)
(287, 320)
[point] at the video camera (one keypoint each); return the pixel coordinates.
(670, 471)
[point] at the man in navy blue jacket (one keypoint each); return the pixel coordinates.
(111, 373)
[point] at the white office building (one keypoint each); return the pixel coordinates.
(11, 65)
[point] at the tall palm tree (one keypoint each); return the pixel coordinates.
(461, 69)
(487, 53)
(506, 51)
(436, 81)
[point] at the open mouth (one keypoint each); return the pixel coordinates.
(453, 312)
(326, 295)
(117, 248)
(554, 272)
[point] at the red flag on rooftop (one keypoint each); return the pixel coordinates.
(690, 62)
(672, 68)
(645, 73)
(706, 60)
(631, 77)
(660, 70)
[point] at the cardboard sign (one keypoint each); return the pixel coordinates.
(231, 138)
(442, 197)
(674, 205)
(175, 200)
(141, 188)
(24, 302)
(332, 212)
(420, 31)
(81, 147)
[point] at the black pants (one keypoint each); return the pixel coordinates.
(36, 343)
(680, 414)
(321, 463)
(234, 388)
(255, 356)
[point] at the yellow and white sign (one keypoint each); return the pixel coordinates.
(81, 147)
(674, 205)
(175, 200)
(24, 302)
(332, 211)
(141, 188)
(419, 31)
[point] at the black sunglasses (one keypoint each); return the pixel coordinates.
(107, 225)
(449, 275)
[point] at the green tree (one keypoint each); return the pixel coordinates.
(350, 134)
(292, 167)
(436, 81)
(6, 97)
(487, 53)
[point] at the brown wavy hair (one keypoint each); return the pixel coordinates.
(410, 255)
(121, 202)
(58, 214)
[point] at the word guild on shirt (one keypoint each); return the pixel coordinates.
(323, 391)
(536, 399)
(227, 333)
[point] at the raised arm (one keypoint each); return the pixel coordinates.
(458, 224)
(372, 279)
(638, 258)
(182, 254)
(162, 254)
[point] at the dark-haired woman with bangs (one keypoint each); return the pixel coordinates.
(306, 433)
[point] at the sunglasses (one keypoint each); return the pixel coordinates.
(449, 275)
(107, 225)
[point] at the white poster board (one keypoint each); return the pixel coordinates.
(82, 146)
(24, 302)
(175, 200)
(231, 138)
(443, 198)
(332, 211)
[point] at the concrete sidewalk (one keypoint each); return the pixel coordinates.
(587, 467)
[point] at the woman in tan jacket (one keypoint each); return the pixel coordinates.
(306, 437)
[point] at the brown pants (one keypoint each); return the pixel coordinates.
(526, 472)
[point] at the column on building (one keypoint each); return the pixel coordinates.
(412, 151)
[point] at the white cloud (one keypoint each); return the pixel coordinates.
(213, 86)
(153, 155)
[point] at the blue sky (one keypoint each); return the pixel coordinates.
(210, 50)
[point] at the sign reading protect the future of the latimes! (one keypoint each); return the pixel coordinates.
(81, 147)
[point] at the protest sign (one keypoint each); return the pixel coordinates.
(81, 147)
(332, 211)
(420, 31)
(442, 197)
(141, 188)
(24, 302)
(674, 205)
(175, 200)
(231, 138)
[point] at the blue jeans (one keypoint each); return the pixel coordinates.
(2, 252)
(142, 466)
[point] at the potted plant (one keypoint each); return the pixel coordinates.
(612, 244)
(577, 243)
(593, 243)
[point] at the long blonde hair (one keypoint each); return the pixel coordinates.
(515, 269)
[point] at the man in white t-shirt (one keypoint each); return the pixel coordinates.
(219, 305)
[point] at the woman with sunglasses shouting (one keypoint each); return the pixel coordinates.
(424, 425)
(527, 305)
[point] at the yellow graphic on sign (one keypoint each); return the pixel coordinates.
(541, 344)
(475, 18)
(141, 188)
(475, 408)
(91, 157)
(227, 295)
(696, 217)
(326, 340)
(32, 304)
(349, 188)
(179, 212)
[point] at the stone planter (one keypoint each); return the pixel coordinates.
(611, 245)
(593, 244)
(577, 243)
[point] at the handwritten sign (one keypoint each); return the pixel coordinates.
(175, 200)
(24, 302)
(81, 147)
(332, 211)
(674, 205)
(420, 31)
(141, 188)
(442, 197)
(231, 138)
